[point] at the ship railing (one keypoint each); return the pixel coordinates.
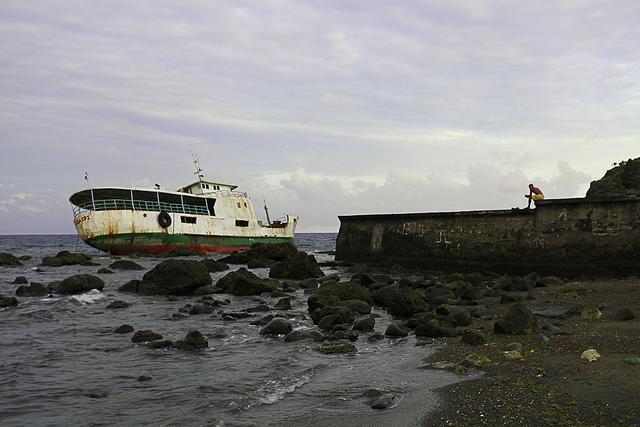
(226, 193)
(139, 205)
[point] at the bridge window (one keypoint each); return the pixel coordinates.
(188, 219)
(242, 223)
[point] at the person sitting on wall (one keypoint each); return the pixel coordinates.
(535, 194)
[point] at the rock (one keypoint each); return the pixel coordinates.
(266, 319)
(214, 266)
(283, 304)
(290, 286)
(590, 355)
(193, 341)
(243, 283)
(372, 392)
(80, 283)
(459, 317)
(277, 326)
(357, 306)
(259, 263)
(396, 330)
(65, 258)
(591, 313)
(471, 337)
(511, 298)
(145, 335)
(124, 264)
(476, 361)
(144, 378)
(34, 290)
(623, 314)
(181, 252)
(118, 304)
(382, 402)
(258, 309)
(174, 277)
(434, 328)
(401, 302)
(20, 280)
(310, 283)
(517, 320)
(104, 271)
(512, 355)
(204, 290)
(332, 293)
(8, 301)
(25, 258)
(298, 267)
(328, 322)
(218, 333)
(131, 286)
(514, 346)
(123, 329)
(262, 253)
(376, 337)
(337, 347)
(160, 344)
(304, 334)
(365, 324)
(343, 335)
(8, 259)
(200, 309)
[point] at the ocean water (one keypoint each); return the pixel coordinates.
(61, 363)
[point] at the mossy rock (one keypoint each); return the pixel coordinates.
(124, 264)
(66, 258)
(175, 277)
(243, 283)
(80, 283)
(8, 259)
(298, 267)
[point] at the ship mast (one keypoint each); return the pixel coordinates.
(198, 171)
(266, 211)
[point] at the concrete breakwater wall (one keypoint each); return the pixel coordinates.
(574, 231)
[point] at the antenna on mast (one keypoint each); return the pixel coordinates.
(266, 211)
(198, 171)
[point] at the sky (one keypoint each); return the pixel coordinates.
(322, 108)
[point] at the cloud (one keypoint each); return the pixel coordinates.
(384, 106)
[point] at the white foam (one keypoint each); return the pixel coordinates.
(277, 389)
(88, 297)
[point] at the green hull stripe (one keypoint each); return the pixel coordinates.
(159, 242)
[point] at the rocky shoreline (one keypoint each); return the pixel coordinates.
(516, 343)
(551, 384)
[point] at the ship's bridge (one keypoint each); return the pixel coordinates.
(206, 187)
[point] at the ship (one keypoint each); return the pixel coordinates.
(202, 216)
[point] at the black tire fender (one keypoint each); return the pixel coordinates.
(164, 219)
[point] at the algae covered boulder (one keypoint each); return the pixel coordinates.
(6, 301)
(79, 283)
(518, 320)
(193, 341)
(65, 258)
(623, 180)
(8, 259)
(262, 254)
(298, 267)
(243, 283)
(175, 277)
(33, 290)
(124, 264)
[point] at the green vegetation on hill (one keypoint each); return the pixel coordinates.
(623, 180)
